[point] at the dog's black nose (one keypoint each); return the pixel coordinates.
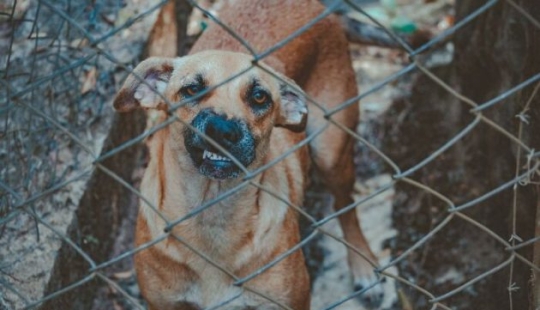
(222, 130)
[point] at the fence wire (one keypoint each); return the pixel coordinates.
(56, 84)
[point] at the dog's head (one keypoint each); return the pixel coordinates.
(231, 106)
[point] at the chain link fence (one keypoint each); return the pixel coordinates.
(61, 148)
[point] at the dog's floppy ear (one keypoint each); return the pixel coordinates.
(293, 110)
(156, 72)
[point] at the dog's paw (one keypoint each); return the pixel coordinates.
(372, 285)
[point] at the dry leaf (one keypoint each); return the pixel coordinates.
(79, 43)
(123, 274)
(89, 82)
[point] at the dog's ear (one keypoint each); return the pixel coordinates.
(135, 93)
(293, 110)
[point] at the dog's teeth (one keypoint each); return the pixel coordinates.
(214, 156)
(206, 154)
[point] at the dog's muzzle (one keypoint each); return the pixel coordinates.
(233, 135)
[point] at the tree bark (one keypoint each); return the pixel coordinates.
(493, 53)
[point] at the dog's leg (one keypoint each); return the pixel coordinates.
(337, 171)
(332, 153)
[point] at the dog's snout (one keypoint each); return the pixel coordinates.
(223, 130)
(234, 140)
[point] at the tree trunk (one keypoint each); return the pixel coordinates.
(495, 52)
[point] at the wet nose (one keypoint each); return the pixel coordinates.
(223, 131)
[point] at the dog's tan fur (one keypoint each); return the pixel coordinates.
(252, 227)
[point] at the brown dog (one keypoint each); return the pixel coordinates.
(247, 122)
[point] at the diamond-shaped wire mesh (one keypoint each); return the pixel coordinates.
(458, 151)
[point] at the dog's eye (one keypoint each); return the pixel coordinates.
(191, 90)
(259, 97)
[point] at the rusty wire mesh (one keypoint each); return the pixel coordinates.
(43, 112)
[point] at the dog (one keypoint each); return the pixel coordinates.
(239, 116)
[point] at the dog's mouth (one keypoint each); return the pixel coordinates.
(232, 135)
(213, 164)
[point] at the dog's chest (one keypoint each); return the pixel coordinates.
(211, 291)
